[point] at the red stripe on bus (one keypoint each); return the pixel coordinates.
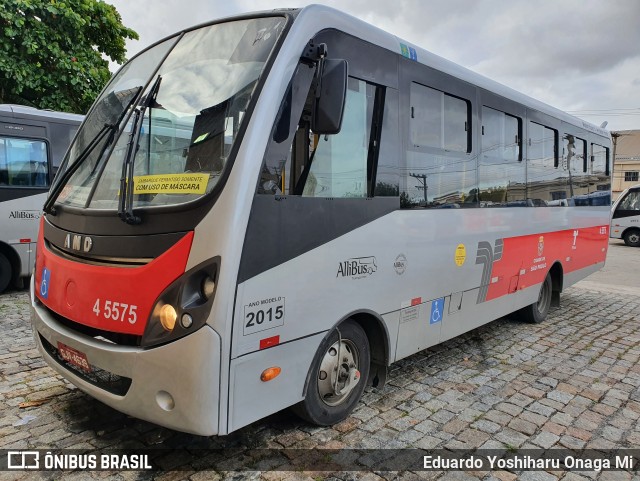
(96, 296)
(526, 260)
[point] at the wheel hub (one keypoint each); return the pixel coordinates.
(338, 374)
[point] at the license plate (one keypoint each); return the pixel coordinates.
(73, 356)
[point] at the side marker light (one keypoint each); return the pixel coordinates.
(270, 373)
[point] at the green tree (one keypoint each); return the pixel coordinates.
(52, 52)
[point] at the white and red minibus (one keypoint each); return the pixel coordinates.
(268, 210)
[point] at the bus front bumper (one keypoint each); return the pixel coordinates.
(175, 385)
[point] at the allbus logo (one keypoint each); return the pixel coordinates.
(357, 267)
(78, 243)
(24, 214)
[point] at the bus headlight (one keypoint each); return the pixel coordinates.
(168, 317)
(188, 299)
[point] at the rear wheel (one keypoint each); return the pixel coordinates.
(632, 238)
(5, 272)
(537, 312)
(338, 375)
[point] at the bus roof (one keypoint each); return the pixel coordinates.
(325, 16)
(31, 113)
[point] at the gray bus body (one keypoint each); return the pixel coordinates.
(32, 145)
(390, 232)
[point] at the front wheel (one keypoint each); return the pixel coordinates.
(537, 312)
(632, 238)
(338, 376)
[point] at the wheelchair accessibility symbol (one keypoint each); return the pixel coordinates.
(44, 282)
(437, 308)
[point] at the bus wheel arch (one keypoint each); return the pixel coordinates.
(631, 237)
(557, 275)
(9, 266)
(548, 296)
(363, 362)
(378, 336)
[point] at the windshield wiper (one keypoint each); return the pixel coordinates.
(66, 175)
(125, 204)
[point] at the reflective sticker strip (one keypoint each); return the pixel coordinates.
(25, 241)
(269, 342)
(413, 302)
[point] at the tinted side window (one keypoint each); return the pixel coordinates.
(501, 172)
(438, 120)
(600, 170)
(547, 181)
(23, 163)
(574, 159)
(439, 172)
(60, 137)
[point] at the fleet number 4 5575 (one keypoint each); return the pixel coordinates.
(117, 311)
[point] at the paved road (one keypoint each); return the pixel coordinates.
(572, 382)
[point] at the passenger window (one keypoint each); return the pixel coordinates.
(574, 159)
(502, 174)
(575, 154)
(439, 120)
(599, 169)
(23, 163)
(546, 183)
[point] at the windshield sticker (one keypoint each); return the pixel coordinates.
(171, 184)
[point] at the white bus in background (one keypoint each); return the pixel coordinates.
(625, 217)
(32, 145)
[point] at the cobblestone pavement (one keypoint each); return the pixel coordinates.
(572, 381)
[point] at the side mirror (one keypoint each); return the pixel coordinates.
(328, 110)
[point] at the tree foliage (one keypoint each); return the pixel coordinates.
(52, 52)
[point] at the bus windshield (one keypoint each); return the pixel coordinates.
(178, 144)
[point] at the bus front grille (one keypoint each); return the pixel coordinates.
(113, 383)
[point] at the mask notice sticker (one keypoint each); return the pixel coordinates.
(170, 184)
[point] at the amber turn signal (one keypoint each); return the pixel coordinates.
(270, 373)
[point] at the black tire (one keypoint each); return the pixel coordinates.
(632, 238)
(327, 409)
(537, 312)
(5, 272)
